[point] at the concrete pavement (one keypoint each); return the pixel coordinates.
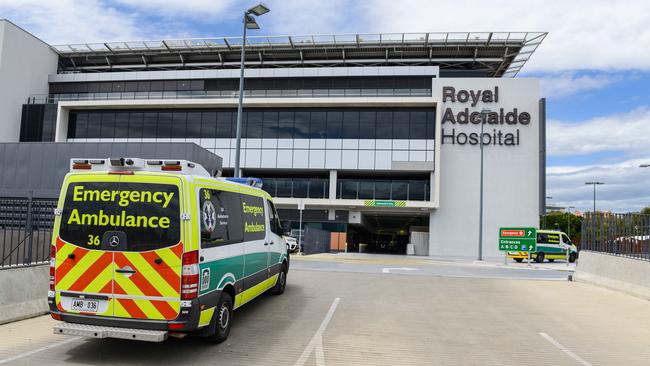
(386, 319)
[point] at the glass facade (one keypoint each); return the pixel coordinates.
(401, 190)
(296, 187)
(293, 83)
(313, 123)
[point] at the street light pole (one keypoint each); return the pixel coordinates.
(544, 217)
(568, 226)
(593, 215)
(249, 23)
(484, 114)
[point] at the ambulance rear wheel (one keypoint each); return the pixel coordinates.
(540, 258)
(221, 319)
(519, 260)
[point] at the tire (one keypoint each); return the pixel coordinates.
(551, 260)
(519, 260)
(540, 257)
(221, 319)
(281, 283)
(572, 257)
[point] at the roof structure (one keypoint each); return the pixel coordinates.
(496, 54)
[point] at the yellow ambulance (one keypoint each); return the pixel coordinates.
(146, 249)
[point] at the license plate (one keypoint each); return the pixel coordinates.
(85, 306)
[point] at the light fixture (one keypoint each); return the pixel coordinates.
(259, 9)
(251, 23)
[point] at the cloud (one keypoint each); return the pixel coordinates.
(626, 133)
(72, 21)
(625, 189)
(584, 34)
(185, 8)
(564, 84)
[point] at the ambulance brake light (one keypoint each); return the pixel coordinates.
(190, 275)
(52, 265)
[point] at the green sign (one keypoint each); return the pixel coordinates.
(378, 203)
(518, 239)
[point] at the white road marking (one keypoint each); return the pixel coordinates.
(320, 353)
(557, 344)
(316, 342)
(34, 351)
(387, 270)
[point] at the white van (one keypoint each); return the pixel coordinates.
(143, 249)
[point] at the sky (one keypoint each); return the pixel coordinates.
(594, 66)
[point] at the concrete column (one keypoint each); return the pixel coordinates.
(333, 183)
(61, 131)
(432, 183)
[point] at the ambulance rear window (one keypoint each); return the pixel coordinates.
(143, 216)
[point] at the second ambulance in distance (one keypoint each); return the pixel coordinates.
(143, 249)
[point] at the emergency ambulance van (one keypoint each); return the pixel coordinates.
(551, 245)
(146, 249)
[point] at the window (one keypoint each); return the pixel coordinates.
(136, 125)
(94, 125)
(208, 124)
(301, 125)
(221, 218)
(317, 126)
(108, 125)
(121, 124)
(270, 128)
(81, 129)
(253, 217)
(179, 125)
(350, 125)
(150, 125)
(366, 190)
(224, 125)
(300, 187)
(193, 125)
(145, 226)
(285, 125)
(431, 125)
(384, 126)
(334, 125)
(349, 189)
(367, 125)
(566, 240)
(399, 190)
(276, 224)
(331, 123)
(418, 124)
(400, 125)
(164, 129)
(382, 190)
(253, 125)
(318, 188)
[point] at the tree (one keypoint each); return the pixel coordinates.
(562, 221)
(646, 210)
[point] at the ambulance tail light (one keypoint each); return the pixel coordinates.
(190, 276)
(52, 265)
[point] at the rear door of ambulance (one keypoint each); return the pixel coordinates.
(133, 250)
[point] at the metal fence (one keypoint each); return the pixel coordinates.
(25, 231)
(626, 235)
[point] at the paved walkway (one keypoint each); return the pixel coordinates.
(333, 317)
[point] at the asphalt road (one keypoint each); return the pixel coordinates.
(367, 317)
